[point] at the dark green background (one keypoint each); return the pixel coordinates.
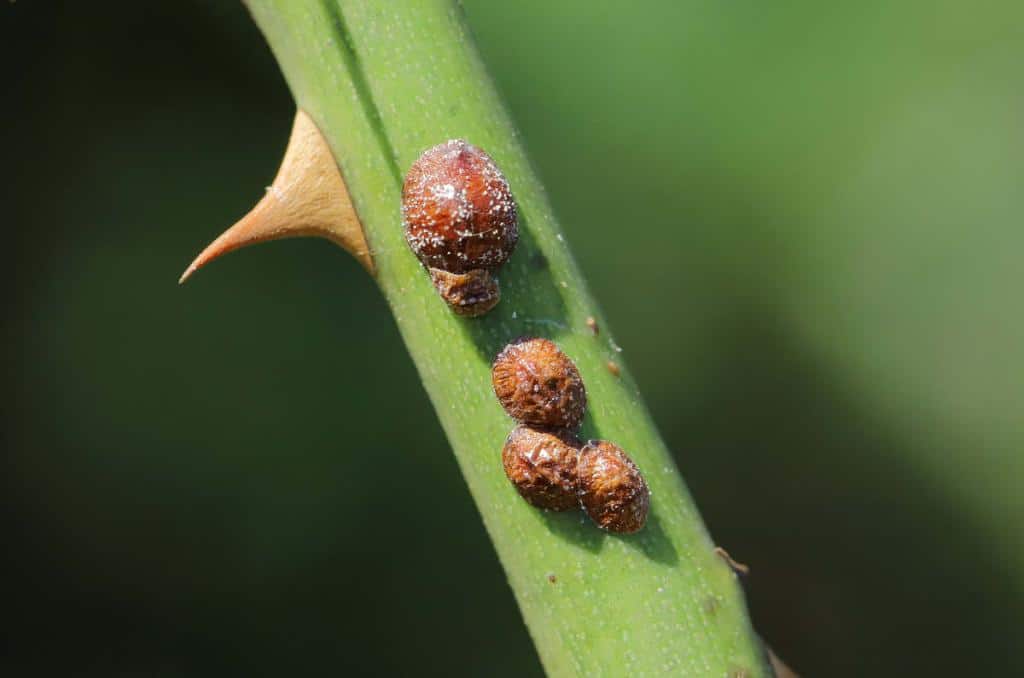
(803, 219)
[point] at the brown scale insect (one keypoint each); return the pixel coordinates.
(611, 489)
(458, 210)
(470, 294)
(459, 216)
(541, 464)
(539, 385)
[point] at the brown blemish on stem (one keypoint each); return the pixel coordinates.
(613, 367)
(307, 199)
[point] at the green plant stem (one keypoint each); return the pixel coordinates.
(384, 81)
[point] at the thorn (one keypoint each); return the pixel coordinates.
(307, 199)
(780, 668)
(736, 567)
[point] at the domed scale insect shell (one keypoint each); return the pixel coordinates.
(469, 294)
(538, 384)
(457, 209)
(611, 489)
(541, 464)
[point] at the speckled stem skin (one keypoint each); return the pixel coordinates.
(384, 81)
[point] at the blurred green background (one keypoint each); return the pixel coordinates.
(803, 218)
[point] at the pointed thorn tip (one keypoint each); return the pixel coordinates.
(308, 198)
(188, 272)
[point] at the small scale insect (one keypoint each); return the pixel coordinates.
(611, 489)
(538, 384)
(459, 216)
(470, 294)
(541, 464)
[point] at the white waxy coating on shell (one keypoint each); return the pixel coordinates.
(457, 209)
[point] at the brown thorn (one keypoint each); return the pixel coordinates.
(737, 567)
(780, 668)
(307, 199)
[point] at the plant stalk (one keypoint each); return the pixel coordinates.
(384, 81)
